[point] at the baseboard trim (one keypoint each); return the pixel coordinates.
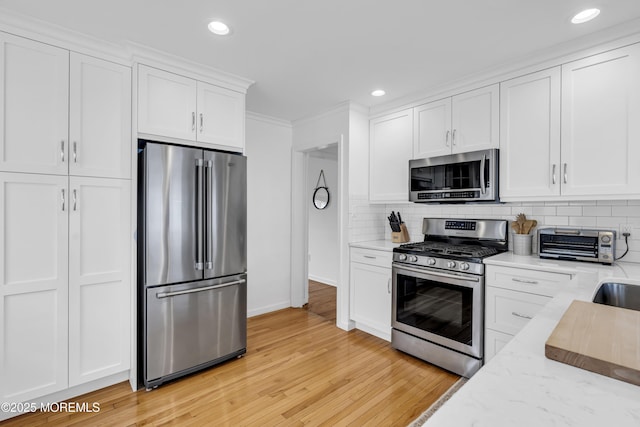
(324, 280)
(268, 309)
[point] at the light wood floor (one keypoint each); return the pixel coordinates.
(299, 369)
(322, 300)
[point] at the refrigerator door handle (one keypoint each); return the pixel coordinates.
(199, 220)
(208, 186)
(202, 289)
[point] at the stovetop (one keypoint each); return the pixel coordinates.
(447, 250)
(456, 245)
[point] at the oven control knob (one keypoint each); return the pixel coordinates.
(431, 261)
(402, 257)
(451, 264)
(464, 266)
(413, 258)
(606, 239)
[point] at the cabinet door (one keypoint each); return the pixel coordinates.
(371, 299)
(99, 278)
(166, 104)
(494, 341)
(475, 120)
(432, 129)
(33, 285)
(220, 116)
(600, 126)
(100, 118)
(530, 135)
(34, 88)
(391, 148)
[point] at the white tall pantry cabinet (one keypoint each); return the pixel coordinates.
(65, 219)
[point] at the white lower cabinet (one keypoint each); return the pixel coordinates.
(65, 282)
(513, 296)
(370, 286)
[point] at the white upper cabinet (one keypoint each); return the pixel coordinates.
(99, 278)
(34, 86)
(600, 124)
(530, 135)
(462, 123)
(179, 107)
(221, 114)
(166, 104)
(391, 139)
(33, 285)
(100, 119)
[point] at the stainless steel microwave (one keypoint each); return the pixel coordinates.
(455, 178)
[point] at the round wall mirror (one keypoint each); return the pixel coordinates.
(321, 197)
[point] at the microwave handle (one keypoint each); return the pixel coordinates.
(483, 181)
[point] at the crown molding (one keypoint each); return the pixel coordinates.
(591, 44)
(250, 115)
(165, 61)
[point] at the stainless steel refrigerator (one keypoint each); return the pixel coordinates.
(192, 264)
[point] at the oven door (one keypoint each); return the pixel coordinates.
(445, 308)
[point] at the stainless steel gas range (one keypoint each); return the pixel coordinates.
(438, 292)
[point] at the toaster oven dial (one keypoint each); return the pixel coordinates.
(606, 239)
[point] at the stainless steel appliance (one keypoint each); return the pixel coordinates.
(463, 177)
(438, 292)
(192, 265)
(577, 245)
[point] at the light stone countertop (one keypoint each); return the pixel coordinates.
(521, 387)
(378, 245)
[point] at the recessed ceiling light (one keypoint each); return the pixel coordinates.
(219, 28)
(585, 15)
(378, 92)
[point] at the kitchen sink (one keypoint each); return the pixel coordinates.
(616, 294)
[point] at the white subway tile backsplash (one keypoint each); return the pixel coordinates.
(569, 210)
(625, 211)
(369, 222)
(597, 211)
(544, 210)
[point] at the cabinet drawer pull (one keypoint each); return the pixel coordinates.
(193, 120)
(62, 151)
(446, 138)
(389, 285)
(201, 122)
(565, 173)
(553, 174)
(369, 256)
(62, 198)
(453, 137)
(528, 282)
(75, 200)
(522, 316)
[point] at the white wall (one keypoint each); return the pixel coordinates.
(268, 151)
(323, 224)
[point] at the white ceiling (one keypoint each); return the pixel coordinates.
(307, 56)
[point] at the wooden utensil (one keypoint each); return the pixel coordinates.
(528, 225)
(521, 219)
(515, 227)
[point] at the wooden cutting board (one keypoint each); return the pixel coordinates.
(598, 338)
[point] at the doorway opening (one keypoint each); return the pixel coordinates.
(323, 231)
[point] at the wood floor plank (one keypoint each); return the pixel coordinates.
(300, 369)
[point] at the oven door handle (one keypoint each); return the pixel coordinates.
(468, 278)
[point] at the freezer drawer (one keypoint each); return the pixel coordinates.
(192, 326)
